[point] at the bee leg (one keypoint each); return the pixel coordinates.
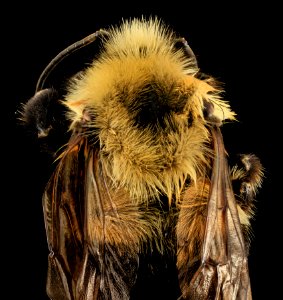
(246, 177)
(44, 119)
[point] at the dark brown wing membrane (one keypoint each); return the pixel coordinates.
(223, 271)
(63, 212)
(93, 233)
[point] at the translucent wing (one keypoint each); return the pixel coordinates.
(223, 270)
(94, 231)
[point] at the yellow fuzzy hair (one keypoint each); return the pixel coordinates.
(146, 164)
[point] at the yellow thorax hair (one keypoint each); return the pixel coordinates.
(139, 58)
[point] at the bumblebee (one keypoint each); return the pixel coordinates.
(142, 194)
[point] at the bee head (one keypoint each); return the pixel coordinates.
(155, 103)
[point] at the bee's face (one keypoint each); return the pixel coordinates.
(155, 103)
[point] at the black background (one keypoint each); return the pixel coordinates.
(237, 44)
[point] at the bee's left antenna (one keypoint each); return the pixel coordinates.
(188, 51)
(66, 52)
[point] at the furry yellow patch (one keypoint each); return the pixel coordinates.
(144, 161)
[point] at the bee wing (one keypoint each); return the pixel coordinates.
(223, 273)
(63, 210)
(75, 208)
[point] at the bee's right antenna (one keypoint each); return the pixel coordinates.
(64, 53)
